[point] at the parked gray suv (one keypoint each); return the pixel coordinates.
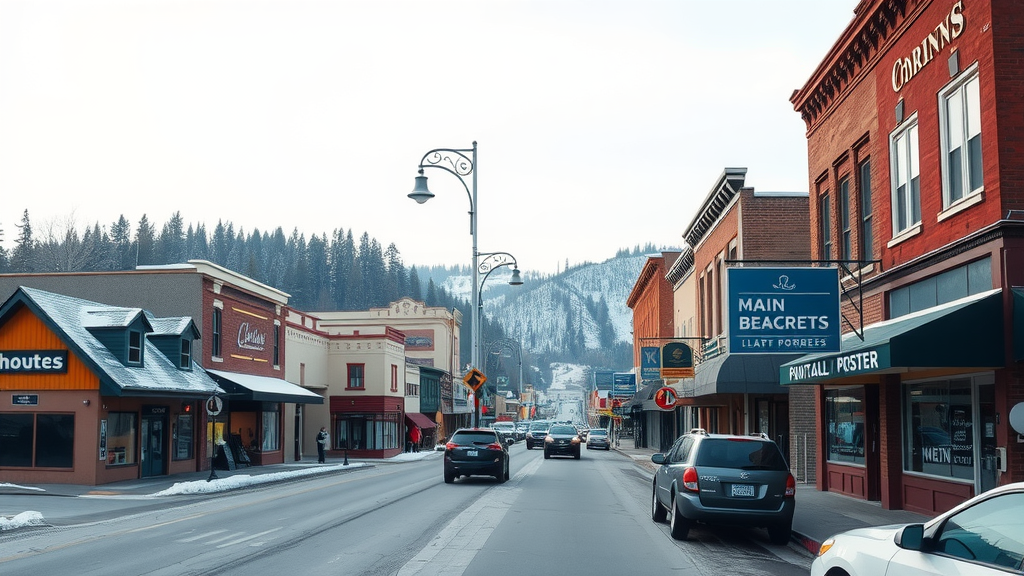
(724, 479)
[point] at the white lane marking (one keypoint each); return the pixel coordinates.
(201, 536)
(452, 550)
(247, 538)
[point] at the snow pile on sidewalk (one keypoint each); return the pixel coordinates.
(242, 480)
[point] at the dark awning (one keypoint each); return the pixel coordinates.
(740, 374)
(420, 420)
(645, 393)
(263, 388)
(965, 333)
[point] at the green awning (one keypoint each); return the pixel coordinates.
(965, 333)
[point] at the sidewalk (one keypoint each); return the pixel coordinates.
(818, 514)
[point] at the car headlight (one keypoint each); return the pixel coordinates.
(826, 545)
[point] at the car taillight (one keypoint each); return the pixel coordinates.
(451, 446)
(790, 486)
(690, 479)
(494, 446)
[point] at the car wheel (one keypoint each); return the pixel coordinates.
(658, 512)
(449, 476)
(506, 471)
(780, 533)
(679, 526)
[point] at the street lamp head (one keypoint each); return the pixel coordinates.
(516, 280)
(420, 193)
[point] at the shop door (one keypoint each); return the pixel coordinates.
(153, 443)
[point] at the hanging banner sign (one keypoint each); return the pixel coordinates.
(783, 310)
(650, 363)
(676, 360)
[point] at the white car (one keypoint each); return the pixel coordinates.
(982, 536)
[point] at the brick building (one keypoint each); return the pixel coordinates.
(652, 304)
(735, 226)
(915, 131)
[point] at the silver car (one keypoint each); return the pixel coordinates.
(724, 479)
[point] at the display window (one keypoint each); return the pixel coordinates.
(366, 431)
(942, 434)
(37, 440)
(844, 409)
(122, 438)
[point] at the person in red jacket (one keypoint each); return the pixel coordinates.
(415, 436)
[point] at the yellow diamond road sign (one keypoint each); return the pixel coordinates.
(474, 379)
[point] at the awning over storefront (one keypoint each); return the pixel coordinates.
(420, 420)
(263, 388)
(740, 374)
(642, 395)
(965, 333)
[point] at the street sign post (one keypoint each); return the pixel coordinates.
(475, 380)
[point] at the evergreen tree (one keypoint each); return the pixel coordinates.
(318, 272)
(431, 299)
(170, 246)
(220, 244)
(23, 256)
(396, 279)
(121, 239)
(415, 288)
(145, 250)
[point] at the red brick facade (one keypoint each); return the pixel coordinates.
(889, 74)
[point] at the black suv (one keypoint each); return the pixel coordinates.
(475, 451)
(727, 479)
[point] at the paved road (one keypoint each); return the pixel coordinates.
(557, 516)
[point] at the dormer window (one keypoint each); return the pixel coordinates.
(134, 347)
(186, 354)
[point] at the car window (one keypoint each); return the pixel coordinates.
(740, 453)
(681, 452)
(562, 430)
(598, 432)
(463, 438)
(537, 426)
(989, 532)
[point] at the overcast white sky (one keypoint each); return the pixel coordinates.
(601, 124)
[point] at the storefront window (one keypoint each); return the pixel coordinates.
(271, 436)
(366, 431)
(121, 438)
(940, 429)
(844, 409)
(183, 437)
(55, 440)
(16, 439)
(51, 435)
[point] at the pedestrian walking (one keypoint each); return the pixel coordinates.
(323, 440)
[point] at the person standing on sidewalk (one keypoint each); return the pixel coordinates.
(323, 440)
(415, 436)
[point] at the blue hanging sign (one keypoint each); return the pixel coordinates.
(650, 363)
(783, 310)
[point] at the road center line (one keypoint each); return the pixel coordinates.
(451, 552)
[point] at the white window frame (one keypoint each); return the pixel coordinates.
(912, 157)
(968, 124)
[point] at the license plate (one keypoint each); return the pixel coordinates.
(742, 490)
(475, 452)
